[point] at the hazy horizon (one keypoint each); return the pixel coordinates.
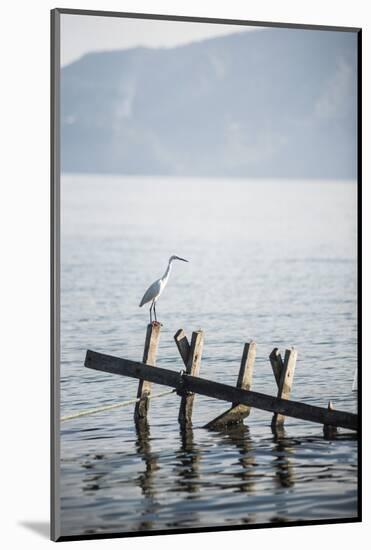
(85, 34)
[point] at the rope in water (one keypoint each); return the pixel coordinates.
(110, 407)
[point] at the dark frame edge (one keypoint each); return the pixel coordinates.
(214, 529)
(55, 271)
(359, 264)
(196, 19)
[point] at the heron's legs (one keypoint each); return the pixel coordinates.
(150, 313)
(154, 310)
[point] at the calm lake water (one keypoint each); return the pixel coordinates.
(273, 261)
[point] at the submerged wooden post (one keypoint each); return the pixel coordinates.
(329, 431)
(191, 355)
(149, 358)
(238, 412)
(284, 375)
(244, 380)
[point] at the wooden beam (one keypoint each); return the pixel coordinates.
(149, 358)
(285, 380)
(181, 382)
(193, 368)
(238, 412)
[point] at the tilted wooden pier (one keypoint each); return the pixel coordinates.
(188, 383)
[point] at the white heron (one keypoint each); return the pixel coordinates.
(153, 293)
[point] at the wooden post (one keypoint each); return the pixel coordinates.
(193, 364)
(149, 358)
(238, 412)
(244, 380)
(277, 364)
(330, 432)
(183, 346)
(284, 374)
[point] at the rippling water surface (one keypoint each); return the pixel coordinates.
(273, 261)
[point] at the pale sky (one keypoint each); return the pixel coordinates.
(81, 34)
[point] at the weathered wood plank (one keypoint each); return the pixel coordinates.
(285, 381)
(272, 404)
(238, 412)
(166, 377)
(133, 369)
(277, 364)
(244, 380)
(183, 346)
(234, 415)
(149, 358)
(193, 368)
(287, 373)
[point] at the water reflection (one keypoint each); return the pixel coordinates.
(188, 460)
(146, 479)
(92, 481)
(239, 436)
(249, 478)
(282, 451)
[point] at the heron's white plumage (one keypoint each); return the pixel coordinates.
(154, 291)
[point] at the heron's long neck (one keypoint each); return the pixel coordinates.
(167, 272)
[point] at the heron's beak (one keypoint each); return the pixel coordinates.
(183, 260)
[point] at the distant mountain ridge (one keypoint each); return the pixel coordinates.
(269, 103)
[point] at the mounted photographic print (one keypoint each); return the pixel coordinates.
(205, 210)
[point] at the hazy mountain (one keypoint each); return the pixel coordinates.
(273, 102)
